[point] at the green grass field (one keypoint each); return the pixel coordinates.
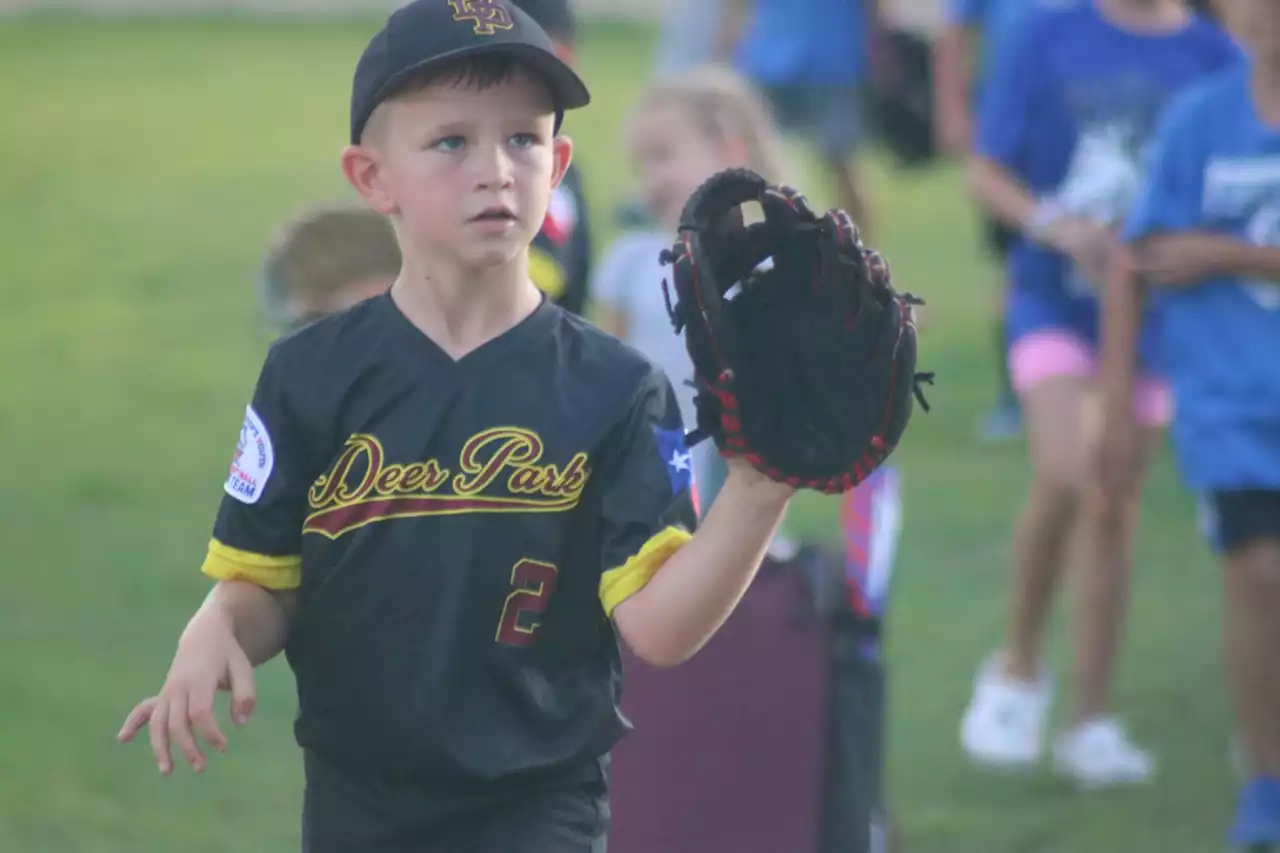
(143, 165)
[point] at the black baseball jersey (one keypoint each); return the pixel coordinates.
(459, 533)
(560, 256)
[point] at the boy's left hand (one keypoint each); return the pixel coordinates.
(1180, 259)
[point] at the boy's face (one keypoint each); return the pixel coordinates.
(468, 172)
(673, 160)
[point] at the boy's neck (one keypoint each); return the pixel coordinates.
(461, 310)
(1145, 15)
(1266, 89)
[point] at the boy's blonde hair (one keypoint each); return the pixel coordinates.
(327, 250)
(722, 104)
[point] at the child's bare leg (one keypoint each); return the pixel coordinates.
(1005, 721)
(1053, 410)
(1103, 582)
(1251, 643)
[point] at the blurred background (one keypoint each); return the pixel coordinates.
(149, 151)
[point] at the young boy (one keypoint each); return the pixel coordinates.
(450, 502)
(326, 261)
(1206, 233)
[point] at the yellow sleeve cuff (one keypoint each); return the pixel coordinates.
(546, 272)
(225, 563)
(617, 585)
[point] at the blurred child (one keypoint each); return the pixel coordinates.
(1205, 235)
(682, 132)
(1062, 128)
(689, 36)
(815, 62)
(973, 35)
(324, 262)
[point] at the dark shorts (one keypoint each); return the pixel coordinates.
(343, 813)
(998, 236)
(1234, 519)
(831, 116)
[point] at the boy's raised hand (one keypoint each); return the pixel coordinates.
(208, 659)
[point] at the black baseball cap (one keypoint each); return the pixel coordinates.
(434, 32)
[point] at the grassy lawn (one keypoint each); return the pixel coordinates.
(143, 165)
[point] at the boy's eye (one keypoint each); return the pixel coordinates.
(524, 140)
(449, 143)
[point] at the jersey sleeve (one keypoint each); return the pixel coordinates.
(648, 503)
(1169, 198)
(1006, 118)
(257, 535)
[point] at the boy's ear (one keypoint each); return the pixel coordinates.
(364, 172)
(561, 156)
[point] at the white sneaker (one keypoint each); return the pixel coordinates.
(1099, 753)
(1004, 725)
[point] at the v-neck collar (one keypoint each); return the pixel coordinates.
(534, 326)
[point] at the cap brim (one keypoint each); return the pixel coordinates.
(568, 92)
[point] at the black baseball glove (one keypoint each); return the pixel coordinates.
(804, 355)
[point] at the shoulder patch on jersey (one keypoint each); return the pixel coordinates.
(676, 456)
(254, 458)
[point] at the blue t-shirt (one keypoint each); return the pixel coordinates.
(996, 21)
(1069, 112)
(804, 43)
(1216, 167)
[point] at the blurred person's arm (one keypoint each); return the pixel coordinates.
(1161, 225)
(1087, 243)
(1001, 194)
(952, 83)
(1181, 260)
(1121, 322)
(1004, 132)
(1004, 139)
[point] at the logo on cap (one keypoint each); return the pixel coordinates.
(489, 16)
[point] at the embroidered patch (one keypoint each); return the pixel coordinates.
(676, 455)
(254, 458)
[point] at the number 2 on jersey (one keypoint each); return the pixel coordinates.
(534, 583)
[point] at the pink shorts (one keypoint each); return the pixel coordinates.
(1042, 355)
